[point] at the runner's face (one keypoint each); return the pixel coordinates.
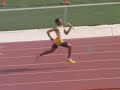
(60, 22)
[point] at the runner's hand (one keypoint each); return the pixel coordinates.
(51, 39)
(70, 25)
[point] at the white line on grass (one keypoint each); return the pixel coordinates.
(51, 7)
(62, 81)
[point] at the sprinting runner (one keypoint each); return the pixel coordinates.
(58, 41)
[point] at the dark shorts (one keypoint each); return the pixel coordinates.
(64, 44)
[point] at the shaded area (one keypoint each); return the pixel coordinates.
(9, 71)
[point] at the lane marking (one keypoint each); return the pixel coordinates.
(2, 47)
(60, 63)
(65, 71)
(72, 46)
(64, 54)
(1, 54)
(51, 7)
(61, 81)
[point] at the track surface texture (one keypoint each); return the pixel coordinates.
(97, 67)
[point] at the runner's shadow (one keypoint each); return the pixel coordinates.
(9, 71)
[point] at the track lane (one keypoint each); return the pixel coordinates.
(88, 78)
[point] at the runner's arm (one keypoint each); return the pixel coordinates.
(68, 31)
(48, 33)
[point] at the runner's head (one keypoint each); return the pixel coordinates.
(58, 21)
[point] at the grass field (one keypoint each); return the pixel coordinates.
(34, 3)
(79, 16)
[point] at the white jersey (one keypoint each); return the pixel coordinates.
(61, 31)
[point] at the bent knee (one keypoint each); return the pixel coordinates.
(69, 46)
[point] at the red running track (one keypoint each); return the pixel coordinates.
(97, 67)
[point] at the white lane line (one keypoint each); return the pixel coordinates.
(63, 71)
(59, 63)
(72, 46)
(51, 7)
(2, 47)
(64, 54)
(62, 81)
(1, 54)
